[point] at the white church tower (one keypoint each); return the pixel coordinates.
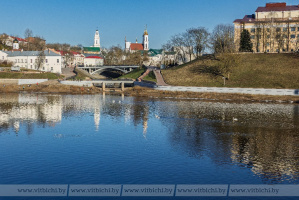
(145, 40)
(15, 44)
(96, 39)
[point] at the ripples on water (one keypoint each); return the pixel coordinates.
(85, 139)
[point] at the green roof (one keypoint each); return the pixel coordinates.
(154, 52)
(94, 49)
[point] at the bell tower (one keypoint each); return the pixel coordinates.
(15, 44)
(145, 40)
(96, 39)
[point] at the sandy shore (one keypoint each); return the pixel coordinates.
(53, 86)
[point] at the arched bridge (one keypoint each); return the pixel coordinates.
(98, 69)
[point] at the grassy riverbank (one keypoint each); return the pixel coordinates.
(54, 86)
(251, 70)
(20, 75)
(138, 72)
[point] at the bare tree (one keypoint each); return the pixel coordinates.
(200, 37)
(222, 39)
(40, 59)
(28, 34)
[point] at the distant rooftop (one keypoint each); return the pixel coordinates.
(94, 49)
(30, 53)
(277, 7)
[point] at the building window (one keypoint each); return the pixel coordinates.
(285, 29)
(293, 28)
(297, 28)
(285, 36)
(268, 50)
(297, 36)
(57, 60)
(268, 30)
(46, 60)
(25, 60)
(252, 30)
(51, 68)
(268, 36)
(252, 37)
(278, 29)
(268, 44)
(30, 60)
(293, 36)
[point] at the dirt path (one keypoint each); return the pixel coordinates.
(160, 80)
(68, 72)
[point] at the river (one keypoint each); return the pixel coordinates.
(105, 139)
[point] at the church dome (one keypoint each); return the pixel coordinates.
(16, 40)
(145, 32)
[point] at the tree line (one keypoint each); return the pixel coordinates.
(195, 41)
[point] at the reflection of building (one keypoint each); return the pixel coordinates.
(30, 108)
(272, 28)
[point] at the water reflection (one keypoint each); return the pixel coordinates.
(18, 109)
(262, 138)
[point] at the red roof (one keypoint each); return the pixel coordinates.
(136, 46)
(96, 57)
(75, 53)
(246, 19)
(276, 7)
(19, 39)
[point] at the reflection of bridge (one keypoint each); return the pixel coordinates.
(98, 69)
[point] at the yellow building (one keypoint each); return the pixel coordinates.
(273, 28)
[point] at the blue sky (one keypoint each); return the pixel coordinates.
(75, 21)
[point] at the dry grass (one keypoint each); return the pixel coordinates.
(253, 70)
(55, 87)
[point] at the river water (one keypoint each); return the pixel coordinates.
(104, 139)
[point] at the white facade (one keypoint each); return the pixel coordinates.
(96, 39)
(145, 41)
(93, 61)
(15, 44)
(3, 56)
(78, 59)
(28, 60)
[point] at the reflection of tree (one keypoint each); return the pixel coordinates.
(271, 153)
(265, 138)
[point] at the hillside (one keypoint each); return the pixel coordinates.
(250, 70)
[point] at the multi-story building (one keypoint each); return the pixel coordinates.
(29, 60)
(273, 28)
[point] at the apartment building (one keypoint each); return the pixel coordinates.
(273, 28)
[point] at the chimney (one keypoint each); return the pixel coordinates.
(275, 5)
